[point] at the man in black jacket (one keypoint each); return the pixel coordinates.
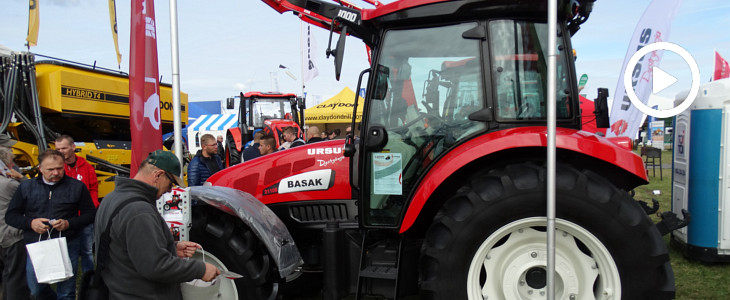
(313, 135)
(252, 152)
(52, 202)
(221, 149)
(144, 261)
(291, 136)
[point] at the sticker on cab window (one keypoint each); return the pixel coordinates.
(387, 174)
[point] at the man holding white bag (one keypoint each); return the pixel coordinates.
(52, 203)
(144, 261)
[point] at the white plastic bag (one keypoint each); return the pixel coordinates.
(198, 289)
(50, 259)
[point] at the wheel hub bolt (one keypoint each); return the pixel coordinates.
(542, 293)
(572, 296)
(533, 254)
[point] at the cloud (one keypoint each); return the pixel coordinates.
(65, 3)
(240, 86)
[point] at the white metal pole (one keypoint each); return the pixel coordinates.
(301, 50)
(177, 122)
(304, 64)
(551, 98)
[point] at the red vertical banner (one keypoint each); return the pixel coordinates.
(722, 69)
(144, 85)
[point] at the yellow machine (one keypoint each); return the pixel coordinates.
(89, 104)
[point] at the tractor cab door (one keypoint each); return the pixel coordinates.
(427, 83)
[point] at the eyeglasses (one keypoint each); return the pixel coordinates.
(173, 183)
(212, 145)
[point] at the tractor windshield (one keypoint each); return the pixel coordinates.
(270, 108)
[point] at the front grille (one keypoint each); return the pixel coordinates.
(320, 212)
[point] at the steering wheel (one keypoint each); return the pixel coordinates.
(422, 116)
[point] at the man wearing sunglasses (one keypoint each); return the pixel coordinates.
(206, 162)
(144, 261)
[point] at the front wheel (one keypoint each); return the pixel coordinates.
(232, 245)
(489, 241)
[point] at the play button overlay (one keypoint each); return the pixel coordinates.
(662, 80)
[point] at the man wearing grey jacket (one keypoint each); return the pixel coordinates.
(15, 285)
(144, 261)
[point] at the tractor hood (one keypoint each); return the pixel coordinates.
(317, 171)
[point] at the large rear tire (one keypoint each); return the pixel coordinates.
(488, 242)
(233, 155)
(238, 249)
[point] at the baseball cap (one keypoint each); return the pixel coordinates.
(166, 161)
(5, 141)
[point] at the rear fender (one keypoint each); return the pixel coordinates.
(257, 216)
(591, 145)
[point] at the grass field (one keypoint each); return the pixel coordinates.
(694, 280)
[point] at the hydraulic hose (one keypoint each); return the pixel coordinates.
(29, 61)
(9, 89)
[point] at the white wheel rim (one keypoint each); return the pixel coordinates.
(228, 287)
(579, 276)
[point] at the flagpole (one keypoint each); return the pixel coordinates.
(714, 64)
(301, 55)
(177, 122)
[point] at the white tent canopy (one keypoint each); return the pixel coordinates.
(215, 124)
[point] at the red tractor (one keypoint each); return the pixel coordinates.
(270, 112)
(443, 194)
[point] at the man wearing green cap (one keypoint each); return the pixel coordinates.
(144, 262)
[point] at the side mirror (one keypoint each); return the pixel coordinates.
(230, 104)
(339, 53)
(601, 108)
(350, 148)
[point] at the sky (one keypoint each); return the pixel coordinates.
(700, 27)
(227, 47)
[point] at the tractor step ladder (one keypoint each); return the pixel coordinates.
(379, 261)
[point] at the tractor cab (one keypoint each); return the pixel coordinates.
(474, 78)
(270, 112)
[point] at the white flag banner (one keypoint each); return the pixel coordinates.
(309, 55)
(653, 27)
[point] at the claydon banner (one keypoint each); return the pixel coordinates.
(337, 109)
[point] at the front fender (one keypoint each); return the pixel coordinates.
(257, 216)
(235, 132)
(572, 140)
